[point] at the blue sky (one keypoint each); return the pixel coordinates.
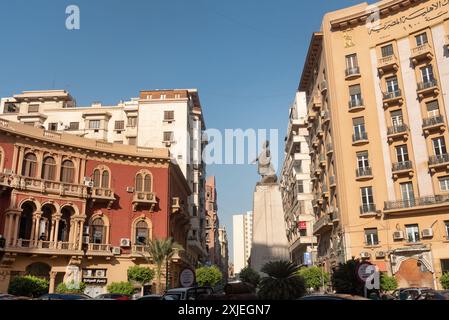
(244, 56)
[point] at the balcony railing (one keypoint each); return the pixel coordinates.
(432, 121)
(99, 247)
(367, 208)
(364, 172)
(355, 103)
(352, 72)
(392, 95)
(439, 159)
(362, 136)
(47, 186)
(39, 246)
(417, 202)
(401, 128)
(321, 223)
(423, 86)
(402, 166)
(422, 51)
(144, 198)
(386, 63)
(103, 193)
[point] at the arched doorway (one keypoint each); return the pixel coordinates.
(26, 222)
(414, 273)
(39, 269)
(45, 224)
(64, 224)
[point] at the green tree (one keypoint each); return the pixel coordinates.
(345, 280)
(70, 288)
(121, 288)
(28, 286)
(444, 280)
(250, 276)
(282, 282)
(140, 275)
(208, 276)
(314, 277)
(387, 283)
(161, 251)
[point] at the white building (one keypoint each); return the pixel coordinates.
(242, 240)
(296, 185)
(157, 118)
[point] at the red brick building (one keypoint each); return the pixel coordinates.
(76, 208)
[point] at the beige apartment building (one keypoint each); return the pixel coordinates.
(378, 112)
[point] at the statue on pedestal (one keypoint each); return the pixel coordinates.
(265, 167)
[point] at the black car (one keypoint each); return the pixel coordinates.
(62, 296)
(432, 295)
(339, 297)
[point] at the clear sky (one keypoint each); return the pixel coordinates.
(244, 56)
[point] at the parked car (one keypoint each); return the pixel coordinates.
(113, 296)
(187, 293)
(409, 293)
(60, 296)
(332, 297)
(433, 295)
(151, 297)
(12, 297)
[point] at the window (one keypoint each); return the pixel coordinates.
(427, 74)
(300, 186)
(392, 85)
(132, 141)
(143, 182)
(32, 108)
(97, 231)
(96, 178)
(446, 227)
(444, 266)
(408, 196)
(396, 118)
(29, 165)
(168, 136)
(94, 124)
(367, 198)
(402, 153)
(141, 233)
(74, 126)
(433, 109)
(53, 126)
(105, 179)
(444, 183)
(49, 169)
(119, 125)
(11, 107)
(362, 160)
(356, 95)
(412, 233)
(421, 39)
(195, 187)
(439, 146)
(169, 115)
(359, 128)
(351, 61)
(387, 51)
(132, 122)
(67, 171)
(371, 237)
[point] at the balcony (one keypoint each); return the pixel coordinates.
(103, 195)
(44, 247)
(317, 170)
(400, 168)
(422, 52)
(315, 103)
(323, 87)
(334, 214)
(433, 123)
(427, 88)
(356, 105)
(322, 160)
(325, 191)
(386, 64)
(144, 199)
(329, 148)
(359, 138)
(319, 132)
(397, 131)
(99, 249)
(322, 225)
(363, 174)
(368, 209)
(438, 161)
(332, 182)
(325, 115)
(352, 73)
(392, 98)
(311, 115)
(315, 142)
(429, 204)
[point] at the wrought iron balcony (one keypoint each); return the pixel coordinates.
(322, 224)
(364, 173)
(360, 137)
(356, 104)
(401, 128)
(367, 208)
(392, 96)
(352, 73)
(417, 202)
(438, 160)
(402, 166)
(427, 87)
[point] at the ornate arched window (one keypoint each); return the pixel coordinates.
(144, 181)
(67, 171)
(49, 169)
(29, 165)
(97, 231)
(147, 183)
(105, 179)
(96, 178)
(142, 234)
(139, 180)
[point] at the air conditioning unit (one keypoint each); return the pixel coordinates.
(398, 235)
(130, 189)
(86, 239)
(380, 254)
(86, 179)
(427, 233)
(365, 255)
(124, 242)
(89, 184)
(116, 250)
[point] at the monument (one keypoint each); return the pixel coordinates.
(269, 237)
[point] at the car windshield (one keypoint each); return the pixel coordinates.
(172, 296)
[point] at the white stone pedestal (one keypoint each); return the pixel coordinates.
(269, 237)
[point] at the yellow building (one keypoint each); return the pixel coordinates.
(377, 82)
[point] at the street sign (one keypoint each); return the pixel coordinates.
(187, 278)
(302, 225)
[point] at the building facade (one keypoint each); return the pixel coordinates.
(296, 186)
(78, 209)
(377, 85)
(170, 119)
(212, 223)
(224, 253)
(242, 229)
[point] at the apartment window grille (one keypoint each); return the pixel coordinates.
(94, 124)
(355, 94)
(169, 115)
(412, 231)
(168, 136)
(119, 125)
(371, 237)
(132, 122)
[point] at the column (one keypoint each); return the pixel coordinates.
(81, 229)
(56, 230)
(16, 228)
(37, 226)
(52, 282)
(52, 231)
(33, 227)
(8, 227)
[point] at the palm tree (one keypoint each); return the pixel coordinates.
(282, 281)
(161, 251)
